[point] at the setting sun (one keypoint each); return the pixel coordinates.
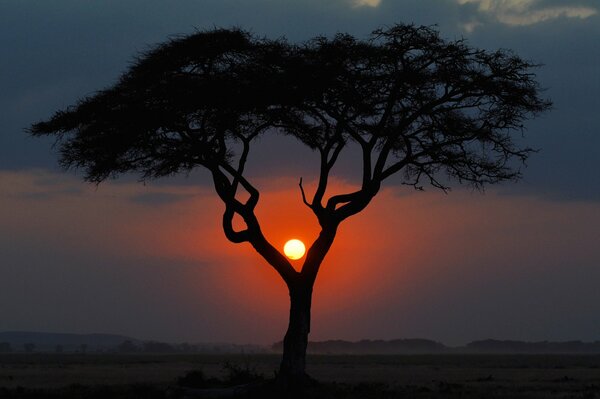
(294, 249)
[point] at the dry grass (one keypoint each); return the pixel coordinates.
(435, 376)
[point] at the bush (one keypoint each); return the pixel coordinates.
(193, 379)
(240, 374)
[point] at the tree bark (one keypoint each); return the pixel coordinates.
(292, 372)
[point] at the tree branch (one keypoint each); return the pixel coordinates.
(275, 258)
(304, 195)
(252, 233)
(241, 163)
(254, 193)
(327, 164)
(316, 253)
(235, 237)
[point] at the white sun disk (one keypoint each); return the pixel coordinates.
(294, 249)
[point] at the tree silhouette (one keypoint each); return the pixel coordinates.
(29, 347)
(127, 347)
(417, 106)
(5, 347)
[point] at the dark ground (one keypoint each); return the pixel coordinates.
(420, 376)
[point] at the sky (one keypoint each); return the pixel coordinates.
(520, 261)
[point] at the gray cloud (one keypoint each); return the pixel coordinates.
(524, 12)
(366, 3)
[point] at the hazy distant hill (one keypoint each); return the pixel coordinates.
(27, 341)
(373, 347)
(497, 346)
(21, 341)
(67, 342)
(424, 346)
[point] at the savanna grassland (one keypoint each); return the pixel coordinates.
(150, 376)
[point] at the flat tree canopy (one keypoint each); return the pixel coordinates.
(418, 107)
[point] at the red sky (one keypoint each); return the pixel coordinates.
(152, 262)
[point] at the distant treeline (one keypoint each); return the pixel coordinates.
(108, 343)
(496, 346)
(162, 347)
(424, 346)
(396, 346)
(129, 346)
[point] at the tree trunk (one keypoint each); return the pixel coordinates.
(292, 372)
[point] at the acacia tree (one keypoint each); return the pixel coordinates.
(419, 107)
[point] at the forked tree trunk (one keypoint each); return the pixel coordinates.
(292, 372)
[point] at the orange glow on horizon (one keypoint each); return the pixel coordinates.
(397, 254)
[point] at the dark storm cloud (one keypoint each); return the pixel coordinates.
(56, 52)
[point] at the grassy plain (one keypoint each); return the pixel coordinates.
(412, 376)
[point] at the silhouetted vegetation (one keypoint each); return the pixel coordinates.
(414, 376)
(196, 379)
(29, 347)
(76, 391)
(497, 346)
(418, 107)
(45, 343)
(157, 347)
(128, 346)
(50, 342)
(424, 346)
(396, 346)
(5, 347)
(234, 374)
